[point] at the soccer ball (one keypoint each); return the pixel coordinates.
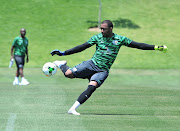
(49, 69)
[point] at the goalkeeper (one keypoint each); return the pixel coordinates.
(97, 68)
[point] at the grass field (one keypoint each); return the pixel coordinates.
(130, 99)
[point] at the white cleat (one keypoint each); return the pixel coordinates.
(59, 63)
(73, 112)
(15, 82)
(24, 82)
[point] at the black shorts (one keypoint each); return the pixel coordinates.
(19, 61)
(88, 70)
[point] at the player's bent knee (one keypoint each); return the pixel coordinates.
(94, 83)
(69, 74)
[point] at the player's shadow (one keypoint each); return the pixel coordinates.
(119, 23)
(102, 114)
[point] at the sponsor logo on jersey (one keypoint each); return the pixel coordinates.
(108, 51)
(20, 42)
(115, 42)
(102, 42)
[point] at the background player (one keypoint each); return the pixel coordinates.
(20, 48)
(97, 68)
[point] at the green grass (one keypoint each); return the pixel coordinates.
(59, 24)
(130, 99)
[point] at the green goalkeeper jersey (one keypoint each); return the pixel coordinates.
(20, 46)
(107, 49)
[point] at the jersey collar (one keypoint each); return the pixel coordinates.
(109, 38)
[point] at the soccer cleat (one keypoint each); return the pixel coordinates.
(24, 82)
(73, 112)
(16, 82)
(60, 63)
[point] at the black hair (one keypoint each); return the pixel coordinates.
(108, 22)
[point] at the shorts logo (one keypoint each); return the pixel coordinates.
(74, 69)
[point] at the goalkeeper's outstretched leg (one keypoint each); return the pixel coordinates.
(64, 68)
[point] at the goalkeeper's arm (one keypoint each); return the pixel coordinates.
(76, 49)
(144, 46)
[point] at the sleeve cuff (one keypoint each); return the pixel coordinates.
(156, 47)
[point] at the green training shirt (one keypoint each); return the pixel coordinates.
(20, 46)
(107, 49)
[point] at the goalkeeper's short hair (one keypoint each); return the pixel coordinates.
(108, 22)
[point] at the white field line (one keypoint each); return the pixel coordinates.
(10, 122)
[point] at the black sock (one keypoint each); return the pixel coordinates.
(64, 68)
(86, 94)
